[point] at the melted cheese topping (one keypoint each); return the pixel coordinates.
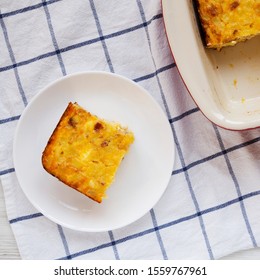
(85, 152)
(230, 21)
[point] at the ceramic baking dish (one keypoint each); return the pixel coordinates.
(225, 84)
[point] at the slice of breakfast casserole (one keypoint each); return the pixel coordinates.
(227, 22)
(84, 151)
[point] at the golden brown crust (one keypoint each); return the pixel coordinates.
(84, 151)
(228, 22)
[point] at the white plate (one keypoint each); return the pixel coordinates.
(143, 175)
(226, 84)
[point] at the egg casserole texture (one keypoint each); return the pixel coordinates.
(227, 22)
(84, 151)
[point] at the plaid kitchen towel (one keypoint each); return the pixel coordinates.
(211, 206)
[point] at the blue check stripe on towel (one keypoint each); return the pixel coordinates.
(210, 206)
(146, 232)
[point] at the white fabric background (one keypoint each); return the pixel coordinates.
(211, 207)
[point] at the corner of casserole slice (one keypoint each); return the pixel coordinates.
(225, 23)
(84, 151)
